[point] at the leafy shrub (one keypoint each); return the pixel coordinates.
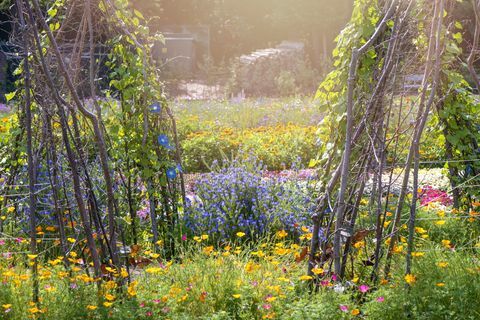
(236, 198)
(278, 147)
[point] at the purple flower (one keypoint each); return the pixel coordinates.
(380, 299)
(184, 237)
(343, 307)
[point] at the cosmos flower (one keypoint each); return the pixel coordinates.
(363, 288)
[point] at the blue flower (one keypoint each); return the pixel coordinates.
(155, 107)
(163, 141)
(171, 173)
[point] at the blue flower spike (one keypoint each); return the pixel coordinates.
(155, 107)
(171, 173)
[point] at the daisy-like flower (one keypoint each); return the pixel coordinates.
(240, 234)
(410, 278)
(343, 308)
(363, 288)
(282, 234)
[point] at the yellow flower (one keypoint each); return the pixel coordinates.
(359, 244)
(305, 229)
(32, 256)
(271, 299)
(240, 234)
(90, 307)
(237, 295)
(282, 234)
(109, 297)
(34, 310)
(398, 249)
(204, 236)
(111, 270)
(154, 255)
(10, 209)
(305, 277)
(440, 284)
(71, 240)
(208, 250)
(420, 230)
(442, 264)
(410, 278)
(281, 251)
(153, 270)
(440, 222)
(317, 271)
(355, 312)
(446, 243)
(131, 289)
(107, 304)
(251, 266)
(418, 254)
(109, 285)
(6, 306)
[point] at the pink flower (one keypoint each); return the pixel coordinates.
(343, 307)
(156, 301)
(184, 237)
(149, 313)
(363, 288)
(2, 242)
(19, 240)
(142, 305)
(324, 283)
(334, 277)
(380, 299)
(266, 306)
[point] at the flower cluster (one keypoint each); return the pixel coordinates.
(429, 194)
(238, 199)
